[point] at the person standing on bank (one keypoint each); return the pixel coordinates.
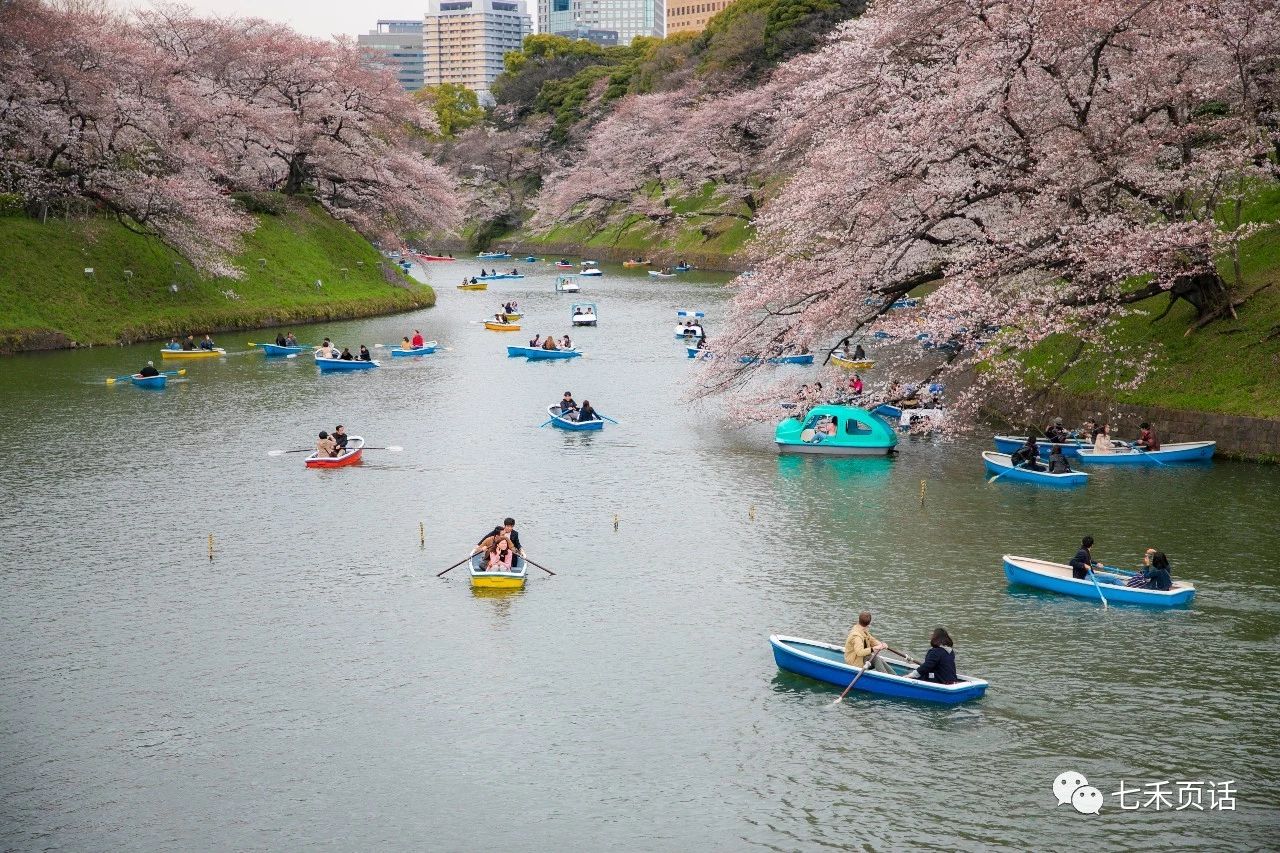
(860, 645)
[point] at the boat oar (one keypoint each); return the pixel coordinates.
(1002, 473)
(606, 418)
(865, 667)
(282, 452)
(544, 423)
(394, 448)
(905, 657)
(182, 372)
(1093, 578)
(532, 563)
(455, 565)
(1154, 459)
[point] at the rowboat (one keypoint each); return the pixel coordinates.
(567, 284)
(479, 286)
(154, 382)
(434, 258)
(588, 315)
(681, 268)
(495, 326)
(694, 352)
(572, 425)
(499, 276)
(850, 364)
(426, 349)
(530, 259)
(635, 263)
(890, 412)
(563, 265)
(492, 256)
(1056, 577)
(540, 354)
(1013, 443)
(825, 662)
(1002, 464)
(513, 579)
(857, 433)
(656, 274)
(328, 365)
(277, 351)
(352, 456)
(216, 352)
(591, 271)
(1185, 451)
(806, 358)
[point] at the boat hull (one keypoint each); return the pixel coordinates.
(1056, 577)
(502, 277)
(584, 319)
(434, 258)
(540, 354)
(492, 256)
(858, 433)
(1012, 443)
(851, 364)
(335, 365)
(558, 422)
(277, 351)
(353, 456)
(494, 326)
(1189, 451)
(413, 353)
(515, 579)
(825, 662)
(1000, 463)
(781, 359)
(193, 353)
(830, 449)
(591, 273)
(155, 383)
(473, 287)
(655, 274)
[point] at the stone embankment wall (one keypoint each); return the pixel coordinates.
(1237, 435)
(518, 249)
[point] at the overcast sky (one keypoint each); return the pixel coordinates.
(313, 17)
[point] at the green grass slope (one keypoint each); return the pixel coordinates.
(1230, 367)
(49, 300)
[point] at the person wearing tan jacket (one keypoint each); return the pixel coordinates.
(860, 644)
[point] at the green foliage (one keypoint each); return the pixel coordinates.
(11, 204)
(750, 36)
(456, 107)
(45, 290)
(266, 203)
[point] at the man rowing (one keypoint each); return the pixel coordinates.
(505, 530)
(149, 370)
(339, 439)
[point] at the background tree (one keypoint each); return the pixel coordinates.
(456, 107)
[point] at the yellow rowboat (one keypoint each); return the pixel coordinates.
(635, 263)
(513, 579)
(494, 326)
(480, 286)
(850, 364)
(193, 353)
(511, 318)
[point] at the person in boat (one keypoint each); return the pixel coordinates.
(346, 354)
(280, 340)
(174, 343)
(515, 271)
(149, 370)
(565, 343)
(550, 343)
(417, 341)
(1102, 441)
(577, 310)
(1083, 561)
(1147, 438)
(339, 438)
(404, 343)
(473, 280)
(190, 343)
(702, 342)
(290, 340)
(207, 343)
(1058, 461)
(827, 426)
(535, 342)
(501, 555)
(860, 645)
(1027, 456)
(939, 664)
(1155, 572)
(1056, 432)
(364, 353)
(567, 404)
(587, 413)
(859, 353)
(326, 350)
(325, 446)
(855, 385)
(506, 530)
(482, 275)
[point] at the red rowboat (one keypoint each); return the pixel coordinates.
(355, 448)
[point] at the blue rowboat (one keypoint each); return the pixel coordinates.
(530, 260)
(807, 358)
(1056, 577)
(328, 365)
(1186, 451)
(277, 351)
(573, 426)
(682, 268)
(1013, 443)
(153, 382)
(857, 433)
(499, 276)
(540, 354)
(694, 352)
(426, 349)
(884, 410)
(825, 662)
(1002, 464)
(492, 256)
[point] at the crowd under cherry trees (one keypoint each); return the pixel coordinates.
(160, 116)
(1044, 166)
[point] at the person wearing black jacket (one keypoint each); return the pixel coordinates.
(340, 437)
(586, 413)
(149, 370)
(940, 663)
(1083, 561)
(507, 529)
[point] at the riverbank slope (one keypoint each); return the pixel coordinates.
(91, 281)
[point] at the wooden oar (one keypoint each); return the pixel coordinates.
(282, 452)
(544, 423)
(1002, 473)
(455, 565)
(1154, 459)
(1093, 578)
(905, 657)
(544, 568)
(606, 418)
(865, 667)
(394, 448)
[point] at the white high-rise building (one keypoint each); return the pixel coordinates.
(464, 41)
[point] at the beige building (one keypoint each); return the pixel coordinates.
(683, 17)
(463, 41)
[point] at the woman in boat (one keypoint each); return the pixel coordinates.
(280, 340)
(940, 663)
(346, 354)
(207, 343)
(860, 645)
(404, 343)
(1155, 572)
(173, 344)
(325, 445)
(856, 386)
(1102, 441)
(550, 343)
(535, 342)
(1058, 461)
(586, 413)
(565, 343)
(364, 353)
(1083, 561)
(417, 339)
(859, 353)
(501, 555)
(290, 340)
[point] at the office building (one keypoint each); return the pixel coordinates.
(685, 17)
(396, 45)
(464, 41)
(592, 19)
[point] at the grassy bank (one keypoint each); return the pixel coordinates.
(141, 290)
(1229, 367)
